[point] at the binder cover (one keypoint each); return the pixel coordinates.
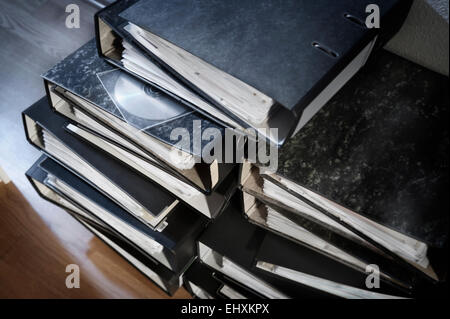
(178, 237)
(290, 52)
(380, 149)
(159, 274)
(150, 196)
(282, 252)
(130, 181)
(397, 274)
(214, 283)
(142, 106)
(232, 236)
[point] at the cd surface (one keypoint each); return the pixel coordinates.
(141, 100)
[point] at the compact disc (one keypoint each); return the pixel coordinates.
(141, 100)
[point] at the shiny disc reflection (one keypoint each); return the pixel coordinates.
(142, 101)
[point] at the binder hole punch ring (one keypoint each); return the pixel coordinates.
(324, 49)
(355, 20)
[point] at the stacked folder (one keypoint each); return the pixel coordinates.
(370, 180)
(361, 173)
(256, 64)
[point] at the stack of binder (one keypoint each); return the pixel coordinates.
(255, 64)
(266, 265)
(369, 183)
(340, 201)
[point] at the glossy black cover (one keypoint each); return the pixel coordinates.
(381, 148)
(266, 44)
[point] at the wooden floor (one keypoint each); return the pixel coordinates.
(37, 239)
(33, 258)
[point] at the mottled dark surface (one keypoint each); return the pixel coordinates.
(380, 147)
(78, 73)
(265, 43)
